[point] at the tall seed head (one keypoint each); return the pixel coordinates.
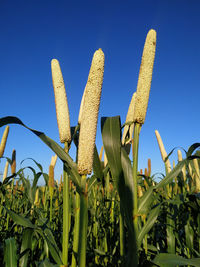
(129, 118)
(196, 176)
(105, 161)
(180, 158)
(81, 108)
(3, 141)
(62, 111)
(149, 167)
(53, 160)
(163, 151)
(5, 173)
(145, 77)
(51, 176)
(36, 201)
(89, 115)
(101, 153)
(13, 163)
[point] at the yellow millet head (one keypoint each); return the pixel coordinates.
(3, 141)
(180, 158)
(90, 110)
(5, 173)
(62, 111)
(13, 163)
(145, 77)
(105, 161)
(129, 117)
(163, 151)
(51, 176)
(149, 167)
(101, 153)
(196, 167)
(53, 160)
(81, 108)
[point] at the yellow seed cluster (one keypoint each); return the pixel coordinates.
(51, 176)
(163, 151)
(5, 173)
(129, 118)
(180, 158)
(89, 115)
(3, 141)
(53, 160)
(13, 163)
(145, 77)
(197, 175)
(62, 110)
(81, 108)
(101, 153)
(105, 161)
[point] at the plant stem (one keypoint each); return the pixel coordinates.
(122, 236)
(65, 214)
(83, 225)
(137, 128)
(76, 231)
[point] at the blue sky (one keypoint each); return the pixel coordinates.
(34, 32)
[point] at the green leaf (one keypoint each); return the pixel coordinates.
(70, 166)
(145, 201)
(20, 220)
(47, 263)
(26, 245)
(54, 250)
(97, 169)
(174, 173)
(127, 199)
(10, 253)
(148, 225)
(189, 235)
(192, 148)
(172, 260)
(92, 181)
(38, 164)
(110, 128)
(100, 252)
(121, 171)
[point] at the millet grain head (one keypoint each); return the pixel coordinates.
(89, 117)
(62, 110)
(145, 77)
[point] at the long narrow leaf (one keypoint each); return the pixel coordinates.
(10, 253)
(26, 244)
(148, 225)
(18, 219)
(68, 162)
(172, 260)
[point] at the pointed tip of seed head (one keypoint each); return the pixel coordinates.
(99, 53)
(54, 61)
(152, 35)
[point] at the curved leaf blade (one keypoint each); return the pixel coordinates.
(67, 160)
(172, 260)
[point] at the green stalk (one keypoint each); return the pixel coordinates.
(169, 221)
(122, 236)
(65, 243)
(76, 231)
(83, 225)
(145, 244)
(95, 227)
(51, 202)
(137, 128)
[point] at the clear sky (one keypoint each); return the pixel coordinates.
(34, 32)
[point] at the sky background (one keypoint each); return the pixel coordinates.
(34, 32)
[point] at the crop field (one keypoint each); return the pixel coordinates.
(102, 210)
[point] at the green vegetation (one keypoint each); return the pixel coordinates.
(104, 212)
